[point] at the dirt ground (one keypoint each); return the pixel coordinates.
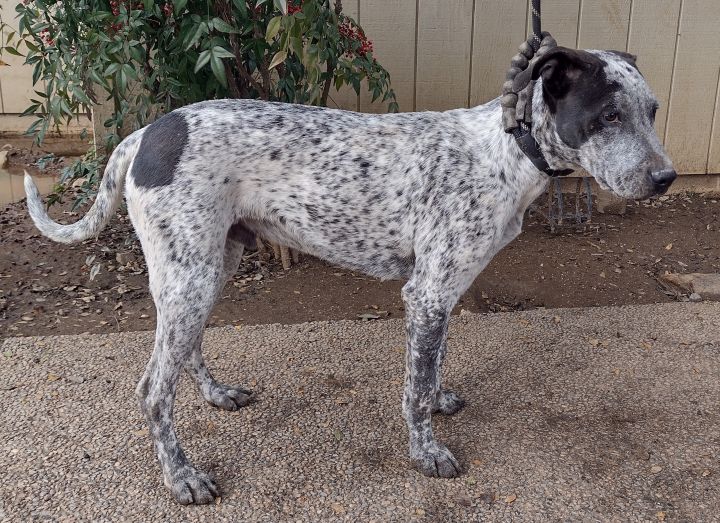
(101, 286)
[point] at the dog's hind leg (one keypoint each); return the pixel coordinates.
(219, 395)
(184, 298)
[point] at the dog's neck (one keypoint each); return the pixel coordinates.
(499, 154)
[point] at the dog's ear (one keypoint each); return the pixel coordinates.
(629, 58)
(559, 68)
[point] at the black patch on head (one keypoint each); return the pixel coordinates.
(576, 90)
(160, 150)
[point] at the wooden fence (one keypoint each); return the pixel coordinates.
(454, 53)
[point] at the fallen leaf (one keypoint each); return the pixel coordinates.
(510, 498)
(52, 377)
(368, 316)
(142, 432)
(420, 512)
(655, 469)
(669, 246)
(94, 271)
(594, 342)
(338, 508)
(338, 435)
(705, 473)
(477, 462)
(661, 516)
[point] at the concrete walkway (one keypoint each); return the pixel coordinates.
(605, 414)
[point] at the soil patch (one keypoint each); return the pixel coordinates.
(46, 288)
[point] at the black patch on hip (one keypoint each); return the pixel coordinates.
(160, 150)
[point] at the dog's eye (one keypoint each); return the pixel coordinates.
(611, 117)
(653, 113)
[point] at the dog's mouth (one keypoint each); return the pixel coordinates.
(634, 188)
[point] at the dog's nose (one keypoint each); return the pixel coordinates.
(663, 179)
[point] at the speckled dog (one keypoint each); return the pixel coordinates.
(430, 197)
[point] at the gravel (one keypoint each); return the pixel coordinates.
(575, 414)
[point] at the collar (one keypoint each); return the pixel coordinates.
(529, 146)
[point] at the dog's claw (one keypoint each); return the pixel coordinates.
(189, 485)
(229, 398)
(448, 403)
(437, 461)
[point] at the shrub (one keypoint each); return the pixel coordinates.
(148, 57)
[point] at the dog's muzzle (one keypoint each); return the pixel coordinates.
(662, 180)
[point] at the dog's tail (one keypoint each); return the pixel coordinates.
(107, 199)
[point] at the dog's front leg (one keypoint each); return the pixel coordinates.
(426, 320)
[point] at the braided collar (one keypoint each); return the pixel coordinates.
(516, 102)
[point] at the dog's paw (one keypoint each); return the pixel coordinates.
(448, 403)
(436, 461)
(228, 398)
(189, 485)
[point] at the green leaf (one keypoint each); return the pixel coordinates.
(218, 69)
(241, 6)
(31, 109)
(179, 5)
(297, 46)
(129, 71)
(15, 52)
(273, 28)
(282, 5)
(201, 30)
(203, 59)
(112, 68)
(279, 58)
(221, 52)
(81, 95)
(222, 26)
(137, 54)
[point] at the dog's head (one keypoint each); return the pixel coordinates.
(599, 114)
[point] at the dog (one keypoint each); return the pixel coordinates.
(429, 197)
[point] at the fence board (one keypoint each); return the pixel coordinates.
(391, 28)
(694, 87)
(499, 27)
(443, 54)
(15, 79)
(560, 18)
(653, 31)
(604, 25)
(714, 155)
